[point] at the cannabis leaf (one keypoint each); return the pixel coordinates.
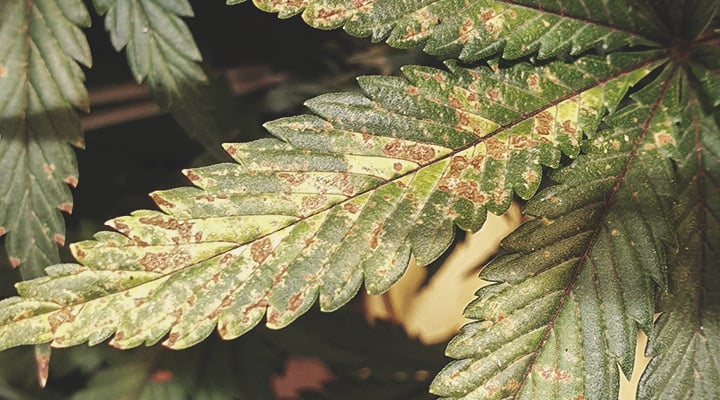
(341, 198)
(579, 279)
(479, 28)
(161, 50)
(41, 85)
(686, 336)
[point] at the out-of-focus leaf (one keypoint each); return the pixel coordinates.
(162, 52)
(41, 86)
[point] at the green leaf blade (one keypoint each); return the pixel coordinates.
(359, 190)
(561, 303)
(480, 28)
(42, 86)
(686, 335)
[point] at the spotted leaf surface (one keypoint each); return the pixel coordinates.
(161, 51)
(41, 86)
(340, 198)
(577, 281)
(686, 336)
(478, 28)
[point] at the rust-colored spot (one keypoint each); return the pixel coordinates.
(455, 102)
(183, 228)
(191, 175)
(533, 81)
(467, 31)
(543, 123)
(260, 250)
(191, 300)
(161, 376)
(412, 90)
(553, 375)
(493, 94)
(3, 71)
(293, 178)
(60, 317)
(664, 139)
(231, 150)
(2, 231)
(568, 127)
(487, 14)
(160, 201)
(172, 339)
(295, 302)
(14, 262)
(496, 149)
(415, 152)
(615, 232)
(375, 235)
(351, 208)
(164, 260)
(59, 239)
(49, 169)
(66, 207)
(397, 167)
(438, 77)
(518, 142)
(72, 181)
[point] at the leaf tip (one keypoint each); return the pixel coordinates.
(59, 239)
(14, 262)
(66, 207)
(72, 181)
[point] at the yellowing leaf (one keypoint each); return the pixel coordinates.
(338, 201)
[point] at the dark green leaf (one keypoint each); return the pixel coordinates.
(578, 280)
(41, 86)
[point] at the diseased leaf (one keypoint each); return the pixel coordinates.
(686, 337)
(479, 28)
(162, 52)
(578, 280)
(341, 199)
(41, 85)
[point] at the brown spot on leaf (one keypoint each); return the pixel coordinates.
(553, 375)
(533, 82)
(664, 139)
(351, 208)
(260, 250)
(2, 231)
(518, 142)
(543, 122)
(49, 169)
(412, 90)
(292, 178)
(419, 153)
(495, 149)
(397, 166)
(487, 14)
(231, 150)
(164, 260)
(568, 128)
(160, 201)
(375, 235)
(295, 302)
(615, 232)
(66, 207)
(172, 339)
(493, 94)
(60, 317)
(191, 175)
(3, 71)
(455, 102)
(59, 239)
(72, 181)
